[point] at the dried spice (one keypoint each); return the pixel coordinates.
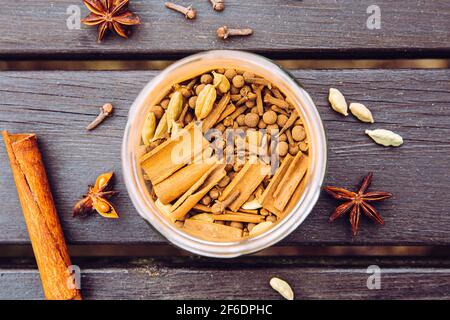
(148, 131)
(282, 287)
(225, 32)
(221, 82)
(218, 5)
(188, 12)
(110, 14)
(97, 198)
(385, 137)
(105, 111)
(233, 194)
(357, 202)
(361, 112)
(261, 227)
(174, 109)
(41, 218)
(205, 101)
(337, 101)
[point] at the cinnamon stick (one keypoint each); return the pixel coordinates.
(40, 214)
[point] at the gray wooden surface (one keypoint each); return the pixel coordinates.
(415, 103)
(282, 28)
(248, 279)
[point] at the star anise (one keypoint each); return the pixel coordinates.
(112, 15)
(357, 202)
(95, 199)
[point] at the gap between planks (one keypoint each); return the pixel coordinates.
(104, 65)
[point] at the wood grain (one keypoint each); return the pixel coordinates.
(282, 28)
(414, 103)
(152, 279)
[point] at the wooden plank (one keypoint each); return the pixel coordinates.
(414, 103)
(282, 28)
(150, 279)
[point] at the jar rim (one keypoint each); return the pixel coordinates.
(316, 172)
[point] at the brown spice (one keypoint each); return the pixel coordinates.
(105, 111)
(112, 15)
(218, 5)
(96, 198)
(238, 81)
(298, 133)
(188, 12)
(357, 202)
(225, 32)
(41, 218)
(236, 105)
(251, 120)
(270, 117)
(230, 74)
(158, 111)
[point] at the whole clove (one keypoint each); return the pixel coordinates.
(188, 12)
(218, 5)
(224, 32)
(105, 111)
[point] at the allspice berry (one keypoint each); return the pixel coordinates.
(199, 88)
(251, 120)
(272, 128)
(192, 101)
(240, 119)
(298, 133)
(248, 75)
(293, 149)
(234, 90)
(270, 117)
(283, 148)
(185, 92)
(230, 74)
(206, 200)
(214, 193)
(206, 78)
(158, 111)
(238, 81)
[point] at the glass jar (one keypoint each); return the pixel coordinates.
(190, 67)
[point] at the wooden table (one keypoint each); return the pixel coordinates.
(57, 105)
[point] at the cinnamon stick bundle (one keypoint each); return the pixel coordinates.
(40, 214)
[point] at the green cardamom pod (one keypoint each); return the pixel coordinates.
(221, 82)
(148, 131)
(174, 109)
(205, 101)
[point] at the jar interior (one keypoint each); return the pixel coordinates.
(157, 90)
